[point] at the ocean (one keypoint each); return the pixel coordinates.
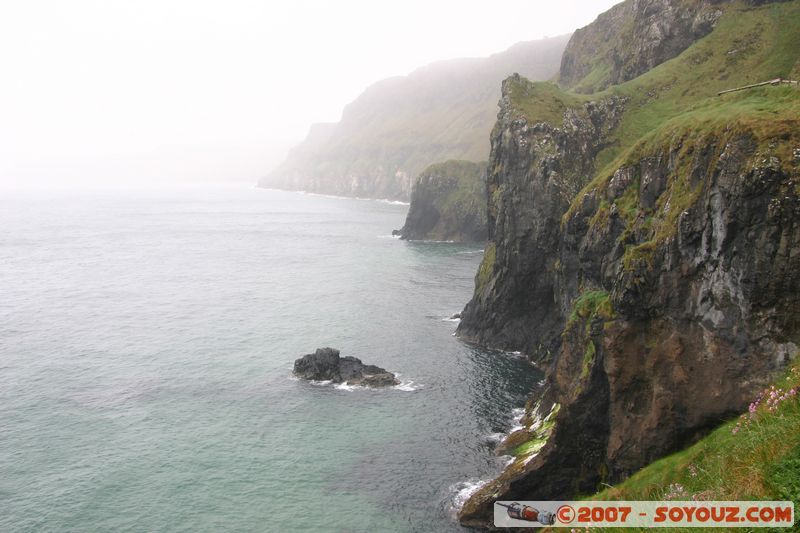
(146, 343)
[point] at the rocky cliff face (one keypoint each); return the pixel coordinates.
(448, 204)
(632, 38)
(534, 171)
(652, 270)
(399, 126)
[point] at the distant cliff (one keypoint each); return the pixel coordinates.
(400, 125)
(448, 203)
(644, 242)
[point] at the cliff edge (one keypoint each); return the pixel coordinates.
(644, 247)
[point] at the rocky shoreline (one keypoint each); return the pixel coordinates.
(654, 277)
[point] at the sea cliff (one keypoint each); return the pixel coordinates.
(399, 126)
(448, 203)
(644, 242)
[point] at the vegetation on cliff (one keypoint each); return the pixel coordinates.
(644, 237)
(753, 457)
(400, 125)
(448, 203)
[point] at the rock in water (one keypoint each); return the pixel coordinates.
(325, 364)
(322, 365)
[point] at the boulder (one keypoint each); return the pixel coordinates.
(325, 364)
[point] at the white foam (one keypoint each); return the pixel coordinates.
(404, 385)
(463, 490)
(448, 319)
(495, 437)
(407, 386)
(516, 416)
(339, 197)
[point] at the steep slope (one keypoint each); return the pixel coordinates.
(633, 37)
(645, 247)
(448, 203)
(399, 126)
(754, 457)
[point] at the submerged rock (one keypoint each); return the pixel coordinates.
(325, 364)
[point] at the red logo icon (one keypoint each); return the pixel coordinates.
(565, 514)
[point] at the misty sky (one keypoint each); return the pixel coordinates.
(163, 91)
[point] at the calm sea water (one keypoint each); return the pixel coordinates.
(146, 345)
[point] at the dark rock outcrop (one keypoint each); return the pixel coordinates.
(325, 364)
(535, 170)
(660, 286)
(448, 204)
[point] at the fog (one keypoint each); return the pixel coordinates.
(186, 91)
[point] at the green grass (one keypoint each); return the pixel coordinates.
(677, 102)
(486, 268)
(589, 304)
(588, 359)
(541, 101)
(674, 111)
(760, 461)
(674, 108)
(686, 83)
(529, 447)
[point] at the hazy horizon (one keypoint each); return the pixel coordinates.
(117, 93)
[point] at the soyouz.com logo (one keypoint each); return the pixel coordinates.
(644, 514)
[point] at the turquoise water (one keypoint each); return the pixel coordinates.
(146, 345)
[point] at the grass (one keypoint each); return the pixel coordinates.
(541, 101)
(674, 111)
(677, 102)
(533, 436)
(684, 85)
(758, 461)
(591, 303)
(487, 267)
(529, 447)
(639, 256)
(588, 359)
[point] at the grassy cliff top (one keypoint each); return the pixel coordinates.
(456, 168)
(679, 97)
(540, 101)
(754, 457)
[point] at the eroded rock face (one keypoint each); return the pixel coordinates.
(534, 172)
(652, 32)
(448, 204)
(325, 364)
(660, 300)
